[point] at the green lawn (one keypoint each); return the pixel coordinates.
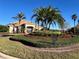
(19, 50)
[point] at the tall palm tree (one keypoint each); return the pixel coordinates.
(54, 17)
(20, 16)
(78, 21)
(38, 15)
(74, 17)
(47, 16)
(60, 20)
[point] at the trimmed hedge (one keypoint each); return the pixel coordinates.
(28, 42)
(45, 33)
(42, 43)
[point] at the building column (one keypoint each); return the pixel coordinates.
(26, 29)
(10, 29)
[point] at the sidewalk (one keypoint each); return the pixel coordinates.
(3, 56)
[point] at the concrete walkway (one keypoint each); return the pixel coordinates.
(3, 56)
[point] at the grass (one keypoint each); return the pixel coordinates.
(19, 50)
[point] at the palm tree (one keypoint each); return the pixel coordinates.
(20, 16)
(60, 20)
(47, 16)
(74, 17)
(38, 15)
(55, 17)
(78, 21)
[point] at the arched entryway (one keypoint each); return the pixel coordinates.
(22, 28)
(29, 29)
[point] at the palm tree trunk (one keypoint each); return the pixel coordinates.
(38, 26)
(74, 26)
(49, 26)
(35, 26)
(19, 26)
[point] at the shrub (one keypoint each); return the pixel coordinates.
(45, 43)
(30, 42)
(3, 28)
(45, 33)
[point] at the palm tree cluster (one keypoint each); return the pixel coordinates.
(47, 16)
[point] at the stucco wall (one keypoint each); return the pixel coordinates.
(10, 29)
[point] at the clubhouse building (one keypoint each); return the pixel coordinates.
(23, 27)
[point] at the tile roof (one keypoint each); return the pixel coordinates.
(23, 22)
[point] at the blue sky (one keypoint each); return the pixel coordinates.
(9, 8)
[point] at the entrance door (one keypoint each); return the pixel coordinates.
(23, 28)
(29, 29)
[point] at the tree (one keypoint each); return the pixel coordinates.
(78, 21)
(66, 26)
(39, 16)
(20, 16)
(46, 16)
(74, 17)
(55, 17)
(3, 28)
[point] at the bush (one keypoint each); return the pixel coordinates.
(3, 28)
(45, 33)
(45, 42)
(30, 42)
(72, 31)
(39, 33)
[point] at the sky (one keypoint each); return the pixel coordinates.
(10, 8)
